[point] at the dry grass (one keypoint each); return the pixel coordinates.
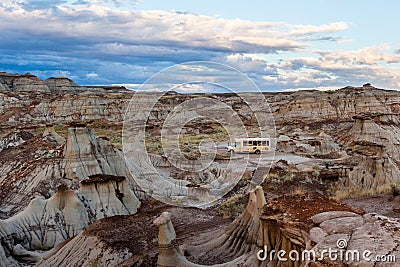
(189, 143)
(61, 130)
(113, 135)
(299, 191)
(233, 206)
(355, 192)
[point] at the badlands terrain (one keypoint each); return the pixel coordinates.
(69, 198)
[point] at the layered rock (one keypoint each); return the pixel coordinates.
(28, 168)
(313, 107)
(22, 83)
(375, 148)
(14, 139)
(80, 249)
(29, 83)
(238, 245)
(25, 99)
(321, 145)
(107, 195)
(251, 241)
(46, 161)
(131, 235)
(87, 155)
(3, 86)
(351, 235)
(355, 127)
(61, 84)
(292, 225)
(46, 223)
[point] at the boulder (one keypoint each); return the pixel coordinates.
(343, 225)
(329, 215)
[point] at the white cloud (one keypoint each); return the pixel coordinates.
(367, 55)
(326, 28)
(336, 68)
(92, 75)
(107, 41)
(104, 24)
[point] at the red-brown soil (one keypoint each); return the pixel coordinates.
(138, 234)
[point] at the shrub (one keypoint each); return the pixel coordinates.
(394, 191)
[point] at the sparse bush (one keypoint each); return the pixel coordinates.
(394, 190)
(316, 167)
(300, 191)
(233, 207)
(61, 130)
(328, 163)
(154, 201)
(353, 192)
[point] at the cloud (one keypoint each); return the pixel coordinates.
(249, 64)
(102, 25)
(336, 68)
(92, 75)
(110, 42)
(312, 29)
(367, 55)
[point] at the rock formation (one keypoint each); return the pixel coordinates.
(54, 185)
(61, 84)
(352, 235)
(86, 155)
(29, 83)
(29, 167)
(263, 227)
(375, 148)
(48, 222)
(237, 245)
(43, 162)
(14, 139)
(86, 247)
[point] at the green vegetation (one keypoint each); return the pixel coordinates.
(61, 130)
(233, 206)
(112, 135)
(393, 191)
(189, 142)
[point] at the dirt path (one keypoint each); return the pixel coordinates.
(379, 204)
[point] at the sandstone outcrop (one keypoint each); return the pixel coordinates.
(60, 84)
(43, 162)
(48, 222)
(341, 231)
(29, 83)
(29, 167)
(86, 247)
(22, 83)
(14, 139)
(237, 245)
(375, 148)
(369, 240)
(87, 155)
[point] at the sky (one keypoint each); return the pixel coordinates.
(280, 45)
